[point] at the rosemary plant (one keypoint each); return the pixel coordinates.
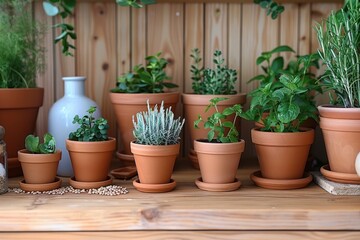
(339, 40)
(220, 80)
(157, 126)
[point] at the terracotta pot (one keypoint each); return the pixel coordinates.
(155, 164)
(218, 161)
(341, 131)
(282, 155)
(39, 168)
(91, 160)
(18, 112)
(195, 104)
(126, 105)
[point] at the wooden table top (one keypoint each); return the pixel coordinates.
(185, 208)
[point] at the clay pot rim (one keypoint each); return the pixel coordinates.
(292, 138)
(29, 157)
(33, 98)
(79, 146)
(338, 112)
(203, 99)
(138, 98)
(154, 150)
(229, 148)
(344, 125)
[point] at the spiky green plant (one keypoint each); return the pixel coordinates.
(157, 126)
(339, 40)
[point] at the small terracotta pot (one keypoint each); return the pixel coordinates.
(282, 155)
(91, 160)
(17, 104)
(39, 168)
(126, 105)
(155, 164)
(195, 104)
(341, 131)
(218, 161)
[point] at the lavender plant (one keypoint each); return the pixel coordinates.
(157, 126)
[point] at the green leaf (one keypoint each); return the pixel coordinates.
(32, 143)
(211, 135)
(282, 48)
(288, 112)
(228, 111)
(277, 64)
(228, 124)
(50, 9)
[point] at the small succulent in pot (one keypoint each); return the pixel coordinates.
(33, 145)
(157, 126)
(221, 130)
(90, 129)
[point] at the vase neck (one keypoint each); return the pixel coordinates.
(74, 85)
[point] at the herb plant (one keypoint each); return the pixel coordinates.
(272, 7)
(339, 41)
(220, 80)
(65, 8)
(157, 126)
(33, 145)
(145, 79)
(220, 129)
(286, 98)
(90, 129)
(21, 53)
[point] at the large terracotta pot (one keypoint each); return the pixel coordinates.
(39, 168)
(282, 155)
(341, 131)
(155, 164)
(195, 104)
(91, 160)
(126, 105)
(18, 112)
(218, 161)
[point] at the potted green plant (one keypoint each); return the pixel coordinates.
(133, 89)
(208, 83)
(281, 144)
(219, 155)
(91, 151)
(39, 162)
(21, 59)
(339, 41)
(155, 148)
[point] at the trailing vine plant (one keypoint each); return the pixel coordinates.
(272, 8)
(65, 8)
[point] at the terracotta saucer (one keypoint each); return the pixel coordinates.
(280, 184)
(124, 172)
(89, 185)
(29, 187)
(214, 187)
(339, 177)
(127, 159)
(154, 188)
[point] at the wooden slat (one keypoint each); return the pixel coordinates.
(97, 51)
(165, 27)
(229, 1)
(189, 235)
(194, 38)
(45, 79)
(234, 45)
(138, 36)
(289, 24)
(216, 32)
(184, 208)
(304, 29)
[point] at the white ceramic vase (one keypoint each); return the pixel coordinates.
(62, 114)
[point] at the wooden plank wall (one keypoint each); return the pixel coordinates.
(112, 39)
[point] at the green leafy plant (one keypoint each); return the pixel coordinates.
(145, 79)
(284, 94)
(33, 145)
(220, 129)
(65, 8)
(21, 50)
(157, 126)
(220, 80)
(339, 41)
(90, 129)
(272, 8)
